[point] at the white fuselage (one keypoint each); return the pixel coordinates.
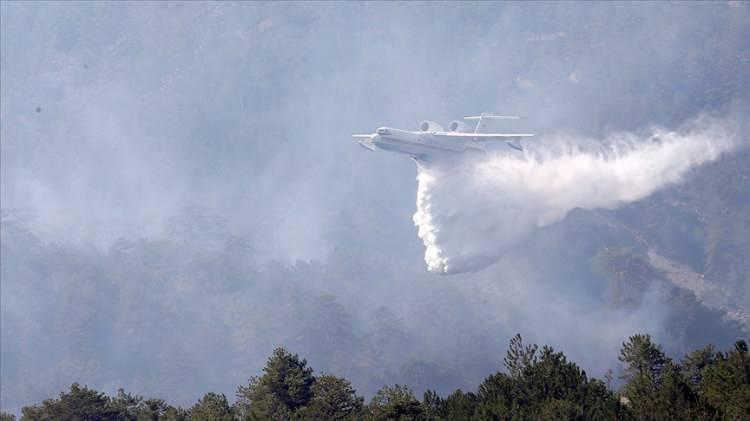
(419, 145)
(431, 141)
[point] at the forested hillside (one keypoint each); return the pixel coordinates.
(703, 224)
(536, 383)
(139, 304)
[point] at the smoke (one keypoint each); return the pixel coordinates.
(471, 212)
(183, 176)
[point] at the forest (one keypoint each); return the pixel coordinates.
(536, 383)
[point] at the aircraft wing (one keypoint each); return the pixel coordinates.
(483, 137)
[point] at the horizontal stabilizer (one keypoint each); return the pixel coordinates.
(482, 118)
(493, 117)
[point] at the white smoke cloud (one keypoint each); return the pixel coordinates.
(471, 211)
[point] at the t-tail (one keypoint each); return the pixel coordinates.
(482, 118)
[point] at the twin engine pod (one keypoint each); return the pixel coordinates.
(430, 126)
(459, 126)
(455, 126)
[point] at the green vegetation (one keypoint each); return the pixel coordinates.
(538, 384)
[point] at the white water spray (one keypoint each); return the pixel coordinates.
(470, 212)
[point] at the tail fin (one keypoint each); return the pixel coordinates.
(488, 116)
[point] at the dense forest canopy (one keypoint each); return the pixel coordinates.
(537, 383)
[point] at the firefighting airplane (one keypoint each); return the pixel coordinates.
(431, 140)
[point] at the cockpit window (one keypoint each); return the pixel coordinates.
(383, 131)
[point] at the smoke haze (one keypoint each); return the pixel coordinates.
(470, 211)
(180, 191)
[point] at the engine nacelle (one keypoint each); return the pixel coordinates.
(430, 126)
(459, 126)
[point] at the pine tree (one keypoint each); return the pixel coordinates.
(395, 403)
(519, 357)
(212, 407)
(285, 386)
(333, 399)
